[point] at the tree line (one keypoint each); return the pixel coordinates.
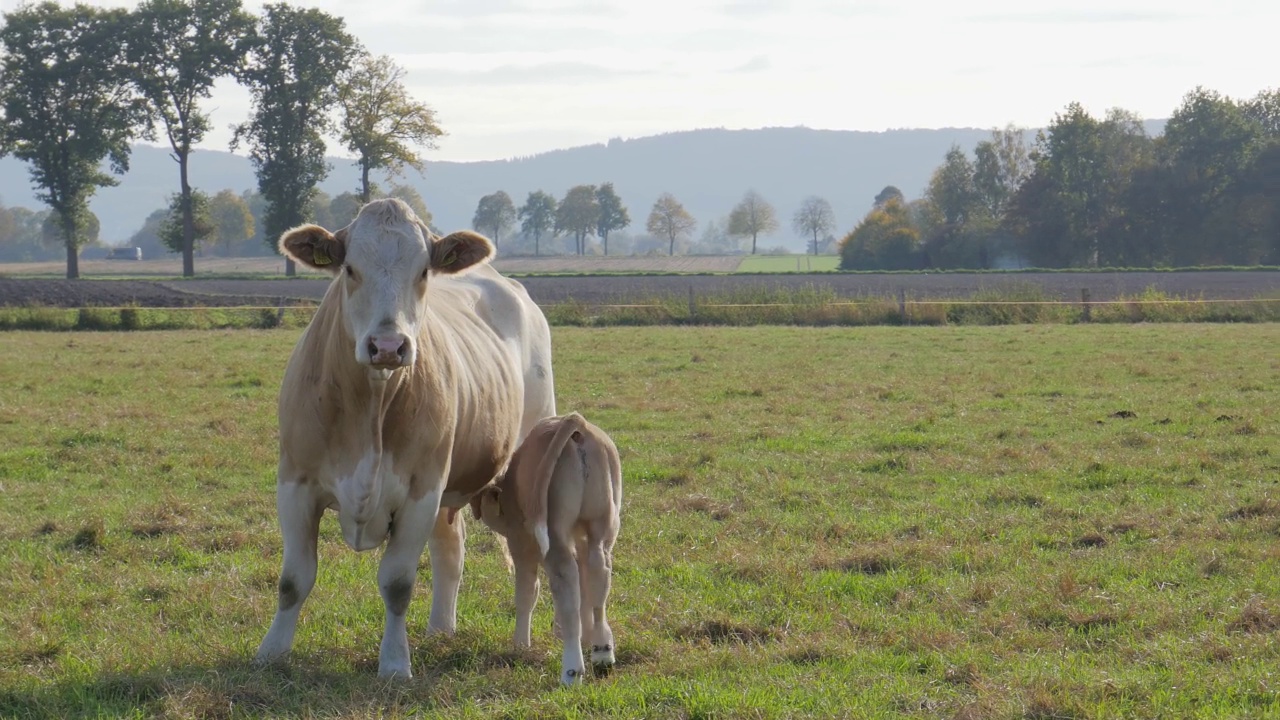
(79, 84)
(1094, 192)
(588, 211)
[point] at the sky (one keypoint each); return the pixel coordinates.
(511, 78)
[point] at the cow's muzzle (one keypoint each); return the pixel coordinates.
(391, 350)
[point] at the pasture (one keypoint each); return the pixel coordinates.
(788, 263)
(1043, 521)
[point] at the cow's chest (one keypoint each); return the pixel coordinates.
(348, 482)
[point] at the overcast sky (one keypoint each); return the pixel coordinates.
(518, 77)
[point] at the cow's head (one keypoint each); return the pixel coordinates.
(383, 261)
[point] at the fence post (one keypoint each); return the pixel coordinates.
(693, 304)
(279, 312)
(1086, 313)
(902, 304)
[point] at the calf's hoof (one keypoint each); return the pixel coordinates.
(571, 676)
(602, 656)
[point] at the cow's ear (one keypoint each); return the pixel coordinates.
(458, 251)
(315, 247)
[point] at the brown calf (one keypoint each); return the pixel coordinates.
(559, 503)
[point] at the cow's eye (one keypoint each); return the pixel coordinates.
(350, 273)
(425, 273)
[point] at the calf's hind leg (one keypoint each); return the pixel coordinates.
(562, 575)
(599, 576)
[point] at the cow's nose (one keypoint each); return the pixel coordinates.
(388, 350)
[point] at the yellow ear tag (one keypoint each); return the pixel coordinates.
(320, 257)
(449, 259)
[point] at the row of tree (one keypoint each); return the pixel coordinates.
(79, 84)
(590, 210)
(1095, 192)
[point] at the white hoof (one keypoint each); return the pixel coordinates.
(602, 656)
(394, 672)
(571, 676)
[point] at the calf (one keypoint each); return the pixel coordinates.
(559, 503)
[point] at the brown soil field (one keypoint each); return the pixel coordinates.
(171, 266)
(1214, 285)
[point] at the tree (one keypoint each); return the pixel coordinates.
(753, 216)
(344, 207)
(68, 105)
(409, 196)
(232, 221)
(1001, 165)
(613, 215)
(293, 69)
(578, 214)
(670, 220)
(1209, 144)
(537, 216)
(814, 218)
(494, 214)
(960, 235)
(52, 231)
(890, 192)
(178, 49)
(380, 122)
(1072, 209)
(22, 236)
(884, 240)
(193, 209)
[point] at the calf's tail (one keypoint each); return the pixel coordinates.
(535, 501)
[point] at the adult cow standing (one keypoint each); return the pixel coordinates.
(407, 393)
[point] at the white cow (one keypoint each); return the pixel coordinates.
(406, 394)
(560, 504)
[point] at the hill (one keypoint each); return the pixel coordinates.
(707, 170)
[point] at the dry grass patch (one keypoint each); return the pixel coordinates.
(720, 632)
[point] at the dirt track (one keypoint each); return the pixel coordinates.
(629, 288)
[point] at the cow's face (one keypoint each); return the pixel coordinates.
(384, 260)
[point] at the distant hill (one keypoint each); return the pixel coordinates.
(707, 170)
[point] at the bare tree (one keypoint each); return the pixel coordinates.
(814, 218)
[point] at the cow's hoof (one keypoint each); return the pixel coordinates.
(571, 676)
(270, 659)
(394, 673)
(602, 657)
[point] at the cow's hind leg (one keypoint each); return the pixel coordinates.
(299, 513)
(397, 572)
(599, 577)
(446, 544)
(562, 575)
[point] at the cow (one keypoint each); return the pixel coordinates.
(559, 504)
(408, 391)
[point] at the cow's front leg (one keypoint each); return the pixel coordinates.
(446, 547)
(299, 513)
(397, 572)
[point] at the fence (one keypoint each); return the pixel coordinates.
(810, 310)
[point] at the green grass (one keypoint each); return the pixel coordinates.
(1029, 521)
(788, 263)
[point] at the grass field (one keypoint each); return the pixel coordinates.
(1046, 521)
(788, 263)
